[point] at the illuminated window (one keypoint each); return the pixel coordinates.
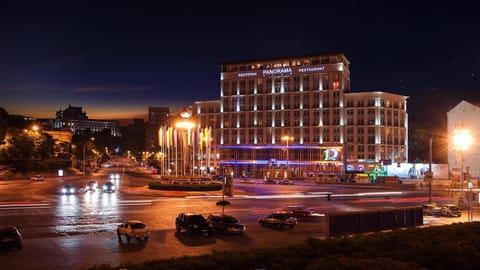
(336, 85)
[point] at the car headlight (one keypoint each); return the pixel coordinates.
(64, 190)
(72, 190)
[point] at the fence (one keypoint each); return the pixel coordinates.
(373, 221)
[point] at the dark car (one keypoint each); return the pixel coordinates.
(217, 177)
(431, 209)
(226, 224)
(269, 181)
(10, 237)
(91, 186)
(279, 220)
(68, 190)
(192, 223)
(286, 182)
(301, 213)
(108, 187)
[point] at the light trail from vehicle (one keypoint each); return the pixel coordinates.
(20, 206)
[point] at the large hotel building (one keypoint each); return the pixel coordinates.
(296, 116)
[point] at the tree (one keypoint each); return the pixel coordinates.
(418, 144)
(223, 203)
(3, 125)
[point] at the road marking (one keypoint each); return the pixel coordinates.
(134, 202)
(16, 206)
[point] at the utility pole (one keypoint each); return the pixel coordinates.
(430, 173)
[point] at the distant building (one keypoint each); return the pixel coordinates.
(157, 116)
(133, 135)
(75, 119)
(296, 116)
(466, 116)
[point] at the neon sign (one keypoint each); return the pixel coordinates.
(247, 74)
(311, 69)
(330, 154)
(277, 71)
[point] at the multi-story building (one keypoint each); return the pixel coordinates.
(375, 129)
(76, 120)
(157, 116)
(287, 117)
(464, 117)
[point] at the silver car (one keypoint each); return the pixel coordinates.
(279, 220)
(450, 210)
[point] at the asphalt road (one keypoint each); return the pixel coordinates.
(78, 231)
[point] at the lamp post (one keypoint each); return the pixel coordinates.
(84, 160)
(287, 138)
(461, 142)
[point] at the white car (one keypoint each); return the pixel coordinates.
(37, 177)
(133, 229)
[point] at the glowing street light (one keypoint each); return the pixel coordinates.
(461, 141)
(287, 138)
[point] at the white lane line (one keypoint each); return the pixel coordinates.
(135, 202)
(17, 206)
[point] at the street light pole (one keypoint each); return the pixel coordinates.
(84, 160)
(462, 140)
(287, 138)
(430, 173)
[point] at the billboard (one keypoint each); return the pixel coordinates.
(417, 170)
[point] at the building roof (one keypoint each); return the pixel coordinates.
(462, 105)
(284, 58)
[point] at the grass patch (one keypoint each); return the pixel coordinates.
(185, 186)
(455, 246)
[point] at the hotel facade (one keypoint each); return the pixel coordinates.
(296, 117)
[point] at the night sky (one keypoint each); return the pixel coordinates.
(116, 61)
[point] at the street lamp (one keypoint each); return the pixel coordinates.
(84, 160)
(287, 138)
(461, 141)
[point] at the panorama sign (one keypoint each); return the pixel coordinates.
(281, 71)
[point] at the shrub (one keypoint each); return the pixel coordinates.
(186, 186)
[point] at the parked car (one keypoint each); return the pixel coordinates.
(68, 190)
(108, 187)
(37, 177)
(217, 177)
(192, 223)
(91, 186)
(10, 237)
(431, 209)
(269, 181)
(301, 213)
(226, 224)
(450, 210)
(279, 220)
(133, 229)
(286, 182)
